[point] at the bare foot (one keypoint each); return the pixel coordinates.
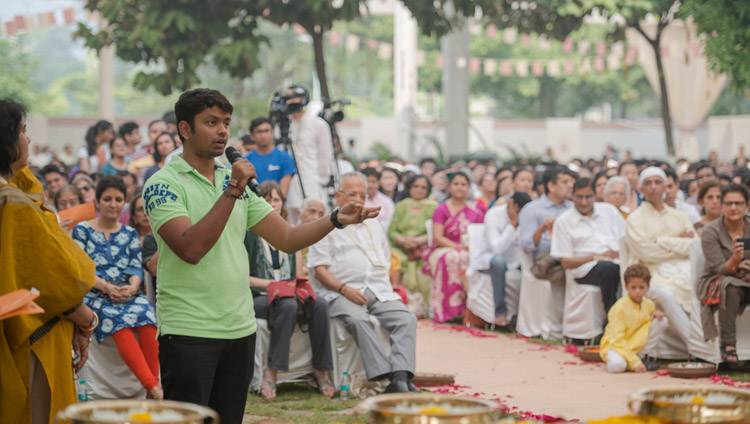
(500, 321)
(268, 385)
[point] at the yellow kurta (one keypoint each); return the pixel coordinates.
(653, 239)
(36, 252)
(627, 330)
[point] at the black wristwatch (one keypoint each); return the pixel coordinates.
(335, 219)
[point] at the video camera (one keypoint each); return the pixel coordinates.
(333, 116)
(280, 108)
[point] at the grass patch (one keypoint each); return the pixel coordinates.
(299, 403)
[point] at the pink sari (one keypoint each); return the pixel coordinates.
(446, 265)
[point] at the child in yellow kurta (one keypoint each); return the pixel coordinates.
(634, 327)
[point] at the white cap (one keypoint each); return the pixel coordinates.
(652, 171)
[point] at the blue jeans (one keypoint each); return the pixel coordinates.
(498, 267)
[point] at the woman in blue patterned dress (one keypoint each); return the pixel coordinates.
(124, 309)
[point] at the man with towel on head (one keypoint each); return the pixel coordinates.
(659, 237)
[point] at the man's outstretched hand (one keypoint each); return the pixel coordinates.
(355, 213)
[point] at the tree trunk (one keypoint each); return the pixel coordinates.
(320, 64)
(665, 114)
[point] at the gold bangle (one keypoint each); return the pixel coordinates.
(92, 326)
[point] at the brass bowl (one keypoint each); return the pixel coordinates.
(383, 409)
(81, 413)
(645, 402)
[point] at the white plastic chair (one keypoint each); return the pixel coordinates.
(540, 306)
(583, 317)
(671, 345)
(428, 227)
(709, 350)
(480, 299)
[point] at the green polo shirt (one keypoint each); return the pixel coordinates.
(211, 299)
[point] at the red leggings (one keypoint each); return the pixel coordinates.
(143, 360)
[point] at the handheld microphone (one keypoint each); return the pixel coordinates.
(233, 155)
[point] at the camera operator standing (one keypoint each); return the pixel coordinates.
(313, 151)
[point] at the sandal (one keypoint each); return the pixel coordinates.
(325, 386)
(729, 354)
(267, 388)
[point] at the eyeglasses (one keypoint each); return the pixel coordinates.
(588, 197)
(87, 187)
(735, 204)
(354, 194)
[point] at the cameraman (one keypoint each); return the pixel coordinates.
(313, 151)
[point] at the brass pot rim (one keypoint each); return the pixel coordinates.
(648, 394)
(375, 404)
(190, 411)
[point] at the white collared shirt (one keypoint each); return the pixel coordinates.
(357, 256)
(689, 210)
(500, 238)
(313, 152)
(575, 235)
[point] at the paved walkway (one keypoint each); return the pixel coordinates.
(530, 377)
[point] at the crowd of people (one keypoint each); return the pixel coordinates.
(395, 245)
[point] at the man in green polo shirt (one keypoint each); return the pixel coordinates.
(199, 212)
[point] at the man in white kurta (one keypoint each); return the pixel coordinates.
(659, 237)
(350, 270)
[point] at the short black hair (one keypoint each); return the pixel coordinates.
(702, 165)
(154, 122)
(520, 199)
(583, 183)
(628, 162)
(371, 172)
(11, 116)
(169, 117)
(518, 171)
(127, 128)
(669, 172)
(193, 102)
(734, 188)
(413, 179)
(453, 175)
(552, 173)
(427, 160)
(110, 181)
(246, 140)
(259, 121)
(50, 168)
(724, 177)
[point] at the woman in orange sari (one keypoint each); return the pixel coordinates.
(36, 372)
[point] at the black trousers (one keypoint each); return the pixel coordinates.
(211, 372)
(606, 275)
(283, 322)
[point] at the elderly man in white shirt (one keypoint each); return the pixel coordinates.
(659, 237)
(350, 266)
(586, 240)
(501, 249)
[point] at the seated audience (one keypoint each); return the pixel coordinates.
(85, 184)
(95, 153)
(629, 171)
(311, 209)
(634, 328)
(164, 144)
(671, 197)
(586, 241)
(117, 295)
(352, 264)
(659, 237)
(725, 282)
(389, 179)
(600, 181)
(268, 264)
(488, 186)
(617, 192)
(501, 248)
(448, 257)
(67, 197)
(408, 237)
(118, 164)
(54, 179)
(709, 199)
(376, 198)
(536, 220)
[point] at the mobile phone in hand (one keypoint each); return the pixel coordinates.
(745, 241)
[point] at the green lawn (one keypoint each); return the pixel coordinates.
(299, 403)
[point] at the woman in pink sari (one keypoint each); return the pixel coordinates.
(448, 258)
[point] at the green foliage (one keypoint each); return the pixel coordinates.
(299, 403)
(16, 70)
(382, 151)
(174, 41)
(726, 27)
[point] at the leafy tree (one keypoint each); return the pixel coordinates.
(174, 41)
(726, 24)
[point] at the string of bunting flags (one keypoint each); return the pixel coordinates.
(591, 57)
(21, 23)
